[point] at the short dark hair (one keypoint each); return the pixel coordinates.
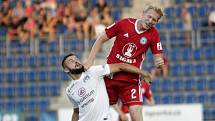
(65, 57)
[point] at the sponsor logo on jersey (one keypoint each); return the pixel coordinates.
(81, 91)
(86, 97)
(129, 50)
(87, 77)
(159, 46)
(126, 60)
(126, 35)
(143, 40)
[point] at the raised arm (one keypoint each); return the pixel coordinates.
(96, 47)
(117, 67)
(75, 115)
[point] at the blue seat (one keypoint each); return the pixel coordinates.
(42, 75)
(32, 90)
(43, 104)
(54, 60)
(186, 54)
(155, 87)
(191, 98)
(203, 98)
(207, 114)
(32, 75)
(21, 76)
(197, 54)
(10, 91)
(202, 11)
(21, 90)
(211, 84)
(55, 89)
(169, 12)
(188, 69)
(10, 105)
(174, 55)
(20, 61)
(179, 24)
(42, 60)
(170, 25)
(201, 84)
(211, 68)
(178, 1)
(178, 98)
(190, 84)
(157, 99)
(10, 62)
(212, 98)
(209, 54)
(167, 99)
(176, 70)
(43, 90)
(21, 105)
(10, 76)
(192, 10)
(32, 61)
(54, 75)
(127, 3)
(178, 85)
(116, 14)
(3, 31)
(200, 69)
(166, 85)
(32, 104)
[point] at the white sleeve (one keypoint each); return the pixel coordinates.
(74, 104)
(102, 70)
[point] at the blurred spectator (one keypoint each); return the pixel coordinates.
(187, 25)
(101, 5)
(19, 10)
(5, 13)
(93, 19)
(106, 17)
(211, 18)
(164, 71)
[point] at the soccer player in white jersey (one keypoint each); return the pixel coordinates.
(87, 91)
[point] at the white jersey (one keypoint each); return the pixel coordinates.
(89, 94)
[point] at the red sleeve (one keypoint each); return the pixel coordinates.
(148, 92)
(113, 29)
(156, 46)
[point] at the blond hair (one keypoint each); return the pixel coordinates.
(156, 9)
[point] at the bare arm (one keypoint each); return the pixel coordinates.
(158, 60)
(117, 67)
(75, 115)
(96, 47)
(150, 101)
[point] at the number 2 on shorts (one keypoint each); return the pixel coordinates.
(133, 91)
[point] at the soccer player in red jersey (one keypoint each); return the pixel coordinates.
(124, 110)
(133, 38)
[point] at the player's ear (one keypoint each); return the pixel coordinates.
(66, 70)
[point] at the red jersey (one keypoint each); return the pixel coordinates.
(146, 92)
(131, 45)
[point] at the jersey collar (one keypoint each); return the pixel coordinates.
(135, 26)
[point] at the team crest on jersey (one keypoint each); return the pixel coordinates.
(81, 91)
(143, 40)
(129, 50)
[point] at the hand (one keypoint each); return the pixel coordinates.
(148, 78)
(123, 117)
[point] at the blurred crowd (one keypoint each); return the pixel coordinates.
(29, 19)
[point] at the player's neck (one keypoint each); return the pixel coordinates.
(76, 76)
(140, 26)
